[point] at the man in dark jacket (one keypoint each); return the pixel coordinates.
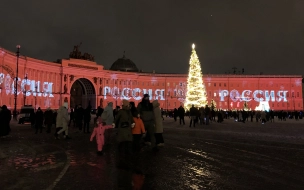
(181, 114)
(39, 120)
(79, 112)
(48, 119)
(87, 119)
(145, 109)
(5, 118)
(207, 114)
(193, 115)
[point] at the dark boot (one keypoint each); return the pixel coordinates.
(56, 136)
(67, 137)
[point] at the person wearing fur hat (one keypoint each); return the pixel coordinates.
(124, 123)
(145, 110)
(158, 124)
(62, 122)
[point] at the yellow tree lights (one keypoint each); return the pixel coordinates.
(196, 92)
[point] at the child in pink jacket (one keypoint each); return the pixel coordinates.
(98, 131)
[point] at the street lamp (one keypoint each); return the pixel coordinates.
(116, 96)
(36, 97)
(24, 90)
(294, 106)
(16, 83)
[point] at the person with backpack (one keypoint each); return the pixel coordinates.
(125, 123)
(108, 118)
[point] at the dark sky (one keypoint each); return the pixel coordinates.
(258, 35)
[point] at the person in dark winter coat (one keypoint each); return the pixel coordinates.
(5, 118)
(145, 110)
(193, 115)
(125, 123)
(133, 108)
(48, 119)
(54, 118)
(72, 117)
(87, 119)
(175, 114)
(79, 112)
(32, 118)
(38, 120)
(181, 114)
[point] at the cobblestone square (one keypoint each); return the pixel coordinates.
(228, 155)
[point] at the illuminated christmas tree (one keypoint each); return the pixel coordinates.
(196, 93)
(212, 105)
(245, 106)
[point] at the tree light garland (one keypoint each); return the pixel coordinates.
(196, 92)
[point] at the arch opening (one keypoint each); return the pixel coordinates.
(83, 93)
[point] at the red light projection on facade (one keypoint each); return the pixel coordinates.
(55, 85)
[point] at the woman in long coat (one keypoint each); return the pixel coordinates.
(159, 129)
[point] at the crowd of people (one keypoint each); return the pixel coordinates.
(205, 114)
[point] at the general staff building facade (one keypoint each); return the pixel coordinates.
(78, 81)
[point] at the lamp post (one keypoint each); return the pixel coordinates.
(24, 90)
(36, 97)
(294, 106)
(16, 83)
(116, 96)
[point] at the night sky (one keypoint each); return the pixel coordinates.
(257, 35)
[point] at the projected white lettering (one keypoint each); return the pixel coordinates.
(257, 95)
(27, 86)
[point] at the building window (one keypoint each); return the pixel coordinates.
(298, 94)
(292, 94)
(115, 81)
(220, 84)
(224, 84)
(214, 94)
(209, 84)
(168, 84)
(107, 82)
(214, 84)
